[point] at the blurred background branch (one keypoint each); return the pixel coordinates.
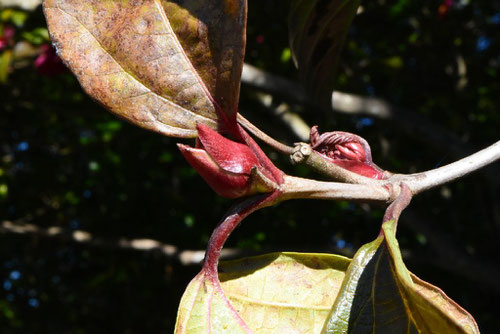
(413, 124)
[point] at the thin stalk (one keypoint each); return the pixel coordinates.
(232, 219)
(439, 176)
(280, 147)
(393, 212)
(296, 187)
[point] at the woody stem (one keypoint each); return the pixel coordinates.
(399, 204)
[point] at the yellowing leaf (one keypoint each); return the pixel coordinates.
(163, 65)
(379, 295)
(274, 293)
(205, 309)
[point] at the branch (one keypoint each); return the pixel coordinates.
(171, 252)
(263, 136)
(436, 177)
(380, 190)
(411, 122)
(449, 254)
(273, 84)
(414, 124)
(296, 187)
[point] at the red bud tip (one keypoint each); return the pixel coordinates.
(346, 150)
(232, 169)
(229, 155)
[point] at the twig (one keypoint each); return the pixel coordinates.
(231, 220)
(435, 177)
(416, 182)
(296, 187)
(393, 212)
(264, 137)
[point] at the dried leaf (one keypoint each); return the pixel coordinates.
(317, 32)
(163, 65)
(379, 295)
(274, 293)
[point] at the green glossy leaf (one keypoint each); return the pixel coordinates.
(379, 295)
(163, 65)
(274, 293)
(317, 32)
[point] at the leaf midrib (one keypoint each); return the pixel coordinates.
(129, 73)
(237, 296)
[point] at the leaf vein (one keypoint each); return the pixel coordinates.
(124, 70)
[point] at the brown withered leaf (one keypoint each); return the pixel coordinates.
(163, 65)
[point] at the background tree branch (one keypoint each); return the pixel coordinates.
(410, 122)
(168, 251)
(448, 254)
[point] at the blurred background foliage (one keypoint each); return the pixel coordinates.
(66, 163)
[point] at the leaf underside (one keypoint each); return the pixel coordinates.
(274, 293)
(294, 293)
(317, 30)
(379, 295)
(163, 65)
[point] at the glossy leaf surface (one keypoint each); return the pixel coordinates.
(317, 32)
(163, 65)
(273, 293)
(379, 295)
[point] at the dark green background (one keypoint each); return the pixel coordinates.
(66, 162)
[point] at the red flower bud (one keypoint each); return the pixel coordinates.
(346, 150)
(232, 169)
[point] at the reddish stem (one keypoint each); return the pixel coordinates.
(232, 219)
(400, 203)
